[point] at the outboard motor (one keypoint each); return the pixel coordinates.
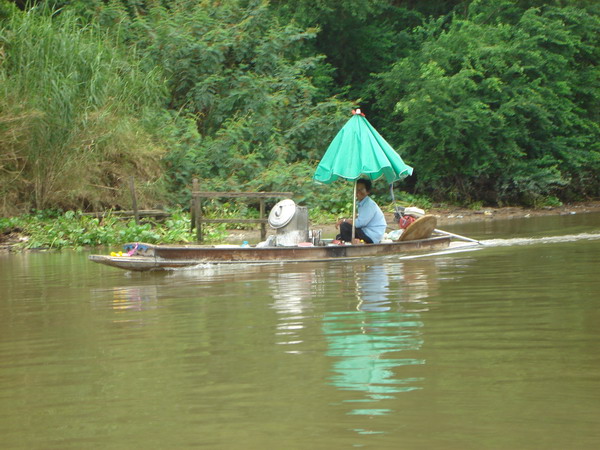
(291, 223)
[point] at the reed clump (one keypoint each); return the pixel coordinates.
(77, 116)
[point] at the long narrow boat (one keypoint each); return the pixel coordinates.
(142, 257)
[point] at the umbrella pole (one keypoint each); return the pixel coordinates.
(353, 213)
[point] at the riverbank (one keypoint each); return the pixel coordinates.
(178, 230)
(460, 215)
(455, 215)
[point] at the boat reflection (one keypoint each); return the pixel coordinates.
(293, 294)
(127, 303)
(376, 347)
(372, 288)
(135, 298)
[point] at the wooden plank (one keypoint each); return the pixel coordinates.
(193, 205)
(134, 200)
(241, 194)
(235, 220)
(198, 220)
(263, 226)
(197, 205)
(141, 212)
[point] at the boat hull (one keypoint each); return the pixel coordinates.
(160, 257)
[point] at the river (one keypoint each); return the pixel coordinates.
(493, 348)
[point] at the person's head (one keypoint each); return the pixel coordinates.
(363, 188)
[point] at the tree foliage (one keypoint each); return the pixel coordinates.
(236, 73)
(490, 101)
(500, 112)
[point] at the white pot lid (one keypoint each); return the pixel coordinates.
(282, 213)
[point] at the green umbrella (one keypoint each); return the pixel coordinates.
(359, 150)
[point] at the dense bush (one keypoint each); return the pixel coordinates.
(500, 106)
(76, 115)
(240, 88)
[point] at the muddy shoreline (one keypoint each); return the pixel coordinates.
(461, 215)
(453, 215)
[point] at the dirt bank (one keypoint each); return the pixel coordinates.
(458, 215)
(447, 216)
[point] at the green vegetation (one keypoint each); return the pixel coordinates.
(493, 102)
(497, 106)
(55, 230)
(75, 113)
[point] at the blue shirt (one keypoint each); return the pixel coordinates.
(370, 219)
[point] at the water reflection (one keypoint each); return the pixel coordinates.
(382, 317)
(373, 289)
(293, 294)
(367, 342)
(127, 302)
(135, 298)
(419, 281)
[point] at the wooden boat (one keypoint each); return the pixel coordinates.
(141, 257)
(159, 257)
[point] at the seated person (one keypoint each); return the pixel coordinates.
(370, 222)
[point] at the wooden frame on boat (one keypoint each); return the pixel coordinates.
(196, 208)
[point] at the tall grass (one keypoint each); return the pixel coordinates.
(75, 115)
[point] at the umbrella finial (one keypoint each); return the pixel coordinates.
(357, 111)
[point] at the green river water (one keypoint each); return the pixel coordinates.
(495, 348)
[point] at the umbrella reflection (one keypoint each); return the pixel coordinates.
(367, 343)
